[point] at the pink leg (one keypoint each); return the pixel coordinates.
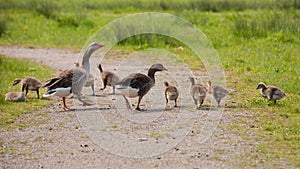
(84, 102)
(127, 103)
(65, 106)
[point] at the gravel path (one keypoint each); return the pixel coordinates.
(106, 136)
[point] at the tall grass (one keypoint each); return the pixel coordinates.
(263, 24)
(158, 5)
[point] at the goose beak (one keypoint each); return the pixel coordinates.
(100, 45)
(165, 69)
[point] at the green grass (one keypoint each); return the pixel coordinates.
(19, 68)
(256, 40)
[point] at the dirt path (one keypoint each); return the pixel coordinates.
(80, 139)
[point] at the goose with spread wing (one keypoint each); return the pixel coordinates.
(72, 80)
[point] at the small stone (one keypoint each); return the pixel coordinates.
(143, 139)
(252, 126)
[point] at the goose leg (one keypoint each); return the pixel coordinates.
(114, 89)
(127, 103)
(65, 106)
(26, 88)
(93, 90)
(195, 101)
(175, 102)
(167, 101)
(84, 102)
(219, 100)
(274, 102)
(202, 100)
(37, 92)
(104, 84)
(138, 105)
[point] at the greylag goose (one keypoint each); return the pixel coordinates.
(72, 80)
(138, 85)
(108, 78)
(171, 93)
(90, 81)
(271, 92)
(15, 96)
(217, 91)
(198, 92)
(29, 83)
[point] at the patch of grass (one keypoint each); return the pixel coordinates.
(3, 27)
(19, 68)
(157, 134)
(262, 24)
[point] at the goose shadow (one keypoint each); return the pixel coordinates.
(98, 95)
(92, 108)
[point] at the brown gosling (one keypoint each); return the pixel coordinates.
(217, 91)
(90, 81)
(15, 97)
(29, 83)
(198, 92)
(108, 78)
(171, 93)
(271, 92)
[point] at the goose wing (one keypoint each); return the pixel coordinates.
(136, 80)
(140, 82)
(171, 92)
(219, 91)
(198, 91)
(276, 94)
(75, 78)
(63, 80)
(79, 79)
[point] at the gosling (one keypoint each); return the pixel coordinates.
(171, 93)
(271, 92)
(108, 78)
(29, 83)
(217, 91)
(15, 97)
(198, 92)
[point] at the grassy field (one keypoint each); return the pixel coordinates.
(19, 68)
(256, 40)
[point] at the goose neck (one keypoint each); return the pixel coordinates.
(151, 73)
(86, 60)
